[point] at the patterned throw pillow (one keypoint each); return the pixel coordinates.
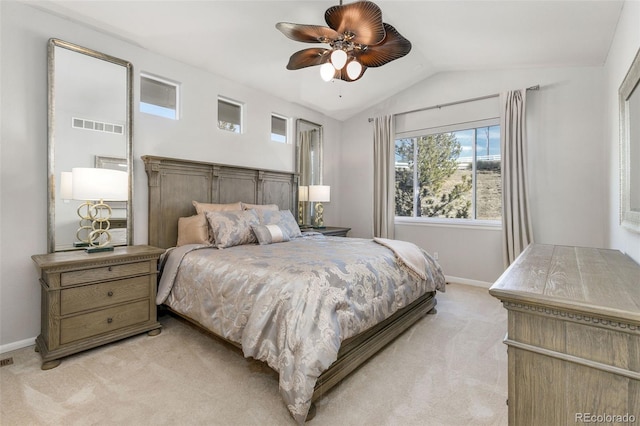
(269, 234)
(233, 228)
(284, 218)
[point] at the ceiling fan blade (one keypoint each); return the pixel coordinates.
(308, 58)
(362, 18)
(307, 33)
(342, 75)
(393, 46)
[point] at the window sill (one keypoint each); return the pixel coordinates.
(452, 223)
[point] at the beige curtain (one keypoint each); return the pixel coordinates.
(304, 156)
(516, 220)
(383, 177)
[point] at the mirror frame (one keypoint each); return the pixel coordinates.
(299, 123)
(51, 127)
(629, 219)
(307, 210)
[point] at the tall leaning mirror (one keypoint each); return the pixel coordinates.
(90, 130)
(308, 165)
(629, 94)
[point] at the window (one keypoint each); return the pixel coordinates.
(158, 96)
(452, 173)
(279, 126)
(229, 115)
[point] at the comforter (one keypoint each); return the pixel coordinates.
(292, 304)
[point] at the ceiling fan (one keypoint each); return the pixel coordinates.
(357, 39)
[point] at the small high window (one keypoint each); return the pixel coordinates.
(159, 96)
(229, 115)
(279, 128)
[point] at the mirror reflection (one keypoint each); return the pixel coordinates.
(630, 148)
(308, 165)
(89, 127)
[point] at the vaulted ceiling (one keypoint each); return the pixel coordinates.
(238, 40)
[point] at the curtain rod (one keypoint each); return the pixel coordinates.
(480, 98)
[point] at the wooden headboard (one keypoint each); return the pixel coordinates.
(174, 184)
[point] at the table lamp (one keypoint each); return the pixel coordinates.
(319, 194)
(94, 187)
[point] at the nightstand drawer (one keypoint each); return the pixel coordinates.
(104, 273)
(103, 321)
(104, 294)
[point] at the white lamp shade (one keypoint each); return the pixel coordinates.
(339, 58)
(66, 185)
(327, 71)
(320, 193)
(100, 184)
(354, 68)
(303, 193)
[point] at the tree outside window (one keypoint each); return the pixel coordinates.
(450, 174)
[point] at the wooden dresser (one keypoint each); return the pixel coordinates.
(92, 299)
(573, 336)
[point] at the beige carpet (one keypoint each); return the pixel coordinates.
(448, 369)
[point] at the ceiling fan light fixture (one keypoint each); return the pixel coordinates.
(355, 30)
(327, 71)
(339, 58)
(354, 69)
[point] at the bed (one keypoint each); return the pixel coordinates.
(313, 308)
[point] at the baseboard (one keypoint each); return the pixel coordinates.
(466, 281)
(17, 345)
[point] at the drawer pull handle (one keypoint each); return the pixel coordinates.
(110, 294)
(109, 320)
(110, 268)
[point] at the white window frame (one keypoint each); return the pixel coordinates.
(168, 83)
(231, 102)
(287, 122)
(455, 222)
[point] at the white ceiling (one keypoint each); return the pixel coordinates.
(238, 40)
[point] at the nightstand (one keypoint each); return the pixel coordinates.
(334, 231)
(89, 300)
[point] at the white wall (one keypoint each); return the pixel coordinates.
(23, 174)
(623, 49)
(573, 136)
(567, 174)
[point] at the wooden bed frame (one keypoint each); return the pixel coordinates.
(175, 183)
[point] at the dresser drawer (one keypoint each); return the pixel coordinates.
(104, 294)
(104, 273)
(103, 321)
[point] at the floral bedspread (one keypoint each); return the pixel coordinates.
(291, 304)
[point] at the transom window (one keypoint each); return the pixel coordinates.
(279, 125)
(450, 173)
(229, 115)
(159, 96)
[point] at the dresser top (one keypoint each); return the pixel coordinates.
(63, 258)
(590, 280)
